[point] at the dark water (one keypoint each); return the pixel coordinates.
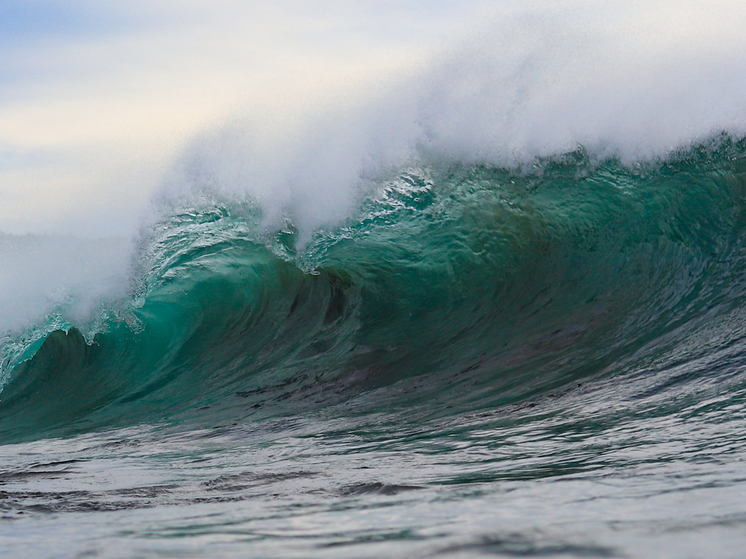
(537, 362)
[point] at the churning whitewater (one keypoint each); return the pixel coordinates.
(497, 310)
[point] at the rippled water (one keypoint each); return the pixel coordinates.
(645, 467)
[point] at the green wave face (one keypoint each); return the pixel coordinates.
(452, 288)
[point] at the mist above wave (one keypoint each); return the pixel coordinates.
(41, 274)
(633, 82)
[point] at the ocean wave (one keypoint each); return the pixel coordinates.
(454, 287)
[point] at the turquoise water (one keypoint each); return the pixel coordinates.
(539, 361)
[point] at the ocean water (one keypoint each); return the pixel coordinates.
(478, 361)
(499, 311)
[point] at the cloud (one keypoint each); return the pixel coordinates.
(96, 98)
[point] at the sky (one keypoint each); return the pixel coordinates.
(98, 98)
